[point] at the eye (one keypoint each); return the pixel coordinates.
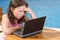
(25, 11)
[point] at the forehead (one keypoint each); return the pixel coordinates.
(21, 7)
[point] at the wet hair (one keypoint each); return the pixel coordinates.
(15, 4)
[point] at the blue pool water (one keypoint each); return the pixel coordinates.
(48, 8)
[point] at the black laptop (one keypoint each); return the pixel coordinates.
(31, 27)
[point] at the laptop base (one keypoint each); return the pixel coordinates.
(21, 35)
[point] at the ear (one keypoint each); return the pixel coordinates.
(12, 8)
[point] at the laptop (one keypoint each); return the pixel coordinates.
(31, 27)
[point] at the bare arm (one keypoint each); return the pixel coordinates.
(5, 27)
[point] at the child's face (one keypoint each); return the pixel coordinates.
(19, 11)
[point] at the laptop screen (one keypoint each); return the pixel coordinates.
(34, 25)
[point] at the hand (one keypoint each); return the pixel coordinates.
(18, 27)
(28, 10)
(31, 13)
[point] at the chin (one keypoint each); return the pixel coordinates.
(19, 17)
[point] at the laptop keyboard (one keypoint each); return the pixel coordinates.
(18, 32)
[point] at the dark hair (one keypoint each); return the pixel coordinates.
(14, 4)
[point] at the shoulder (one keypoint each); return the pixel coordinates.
(4, 17)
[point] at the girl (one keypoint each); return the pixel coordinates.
(12, 21)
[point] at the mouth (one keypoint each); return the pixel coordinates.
(19, 17)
